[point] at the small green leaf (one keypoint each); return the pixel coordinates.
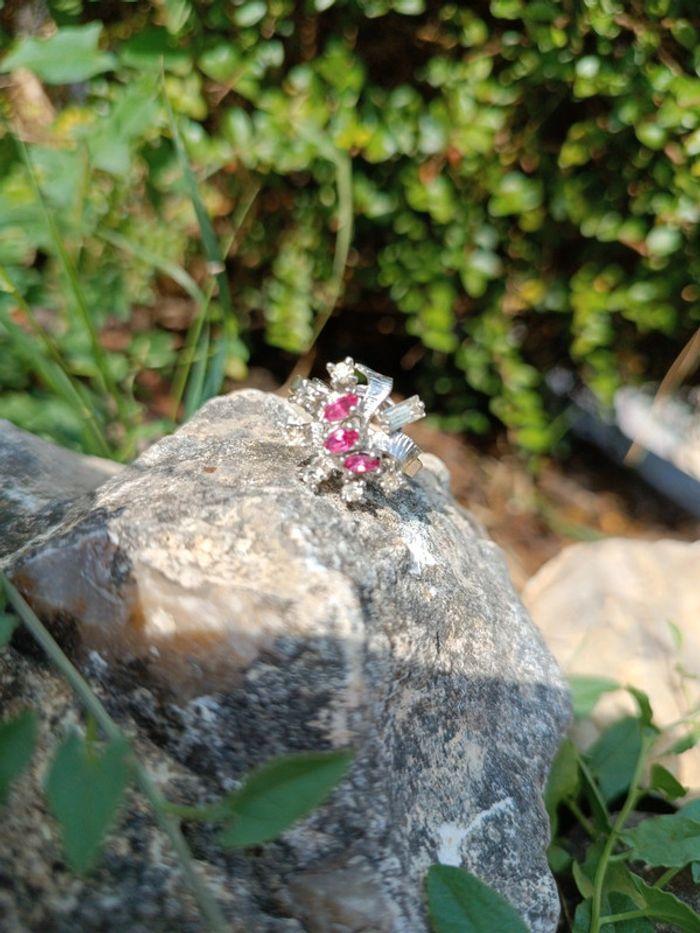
(671, 841)
(558, 858)
(84, 788)
(586, 691)
(17, 741)
(458, 902)
(8, 624)
(614, 756)
(645, 711)
(662, 905)
(279, 793)
(685, 743)
(250, 13)
(666, 783)
(69, 55)
(695, 872)
(583, 882)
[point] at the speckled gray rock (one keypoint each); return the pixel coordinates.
(228, 614)
(37, 482)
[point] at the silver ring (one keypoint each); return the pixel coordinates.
(354, 431)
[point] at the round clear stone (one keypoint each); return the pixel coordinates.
(317, 471)
(390, 481)
(299, 432)
(353, 491)
(343, 374)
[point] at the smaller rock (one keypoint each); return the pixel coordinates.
(627, 610)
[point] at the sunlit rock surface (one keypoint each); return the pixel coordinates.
(627, 610)
(229, 614)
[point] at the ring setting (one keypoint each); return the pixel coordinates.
(354, 431)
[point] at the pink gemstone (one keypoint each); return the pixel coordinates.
(361, 463)
(341, 408)
(341, 440)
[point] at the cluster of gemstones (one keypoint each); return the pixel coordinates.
(345, 440)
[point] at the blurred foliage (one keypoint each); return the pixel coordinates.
(525, 193)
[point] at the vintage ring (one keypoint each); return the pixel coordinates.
(355, 431)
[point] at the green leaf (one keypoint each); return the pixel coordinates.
(685, 743)
(215, 372)
(666, 783)
(84, 788)
(559, 859)
(671, 841)
(662, 905)
(458, 902)
(71, 54)
(614, 756)
(645, 711)
(8, 624)
(279, 793)
(583, 882)
(563, 781)
(17, 741)
(586, 691)
(250, 13)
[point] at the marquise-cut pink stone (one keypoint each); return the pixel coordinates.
(341, 408)
(341, 440)
(361, 463)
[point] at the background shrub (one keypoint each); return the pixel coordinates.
(523, 177)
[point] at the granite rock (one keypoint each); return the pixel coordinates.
(38, 483)
(228, 614)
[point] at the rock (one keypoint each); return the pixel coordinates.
(39, 481)
(228, 614)
(627, 610)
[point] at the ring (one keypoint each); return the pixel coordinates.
(355, 431)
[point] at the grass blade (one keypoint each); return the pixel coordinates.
(104, 377)
(171, 269)
(212, 250)
(53, 373)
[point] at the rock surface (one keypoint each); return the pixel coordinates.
(38, 481)
(227, 614)
(627, 610)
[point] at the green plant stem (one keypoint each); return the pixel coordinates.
(593, 789)
(620, 918)
(343, 239)
(203, 896)
(664, 879)
(618, 825)
(583, 820)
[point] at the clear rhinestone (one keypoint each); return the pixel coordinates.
(299, 432)
(353, 491)
(314, 473)
(390, 480)
(309, 394)
(343, 374)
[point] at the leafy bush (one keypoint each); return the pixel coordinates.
(523, 179)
